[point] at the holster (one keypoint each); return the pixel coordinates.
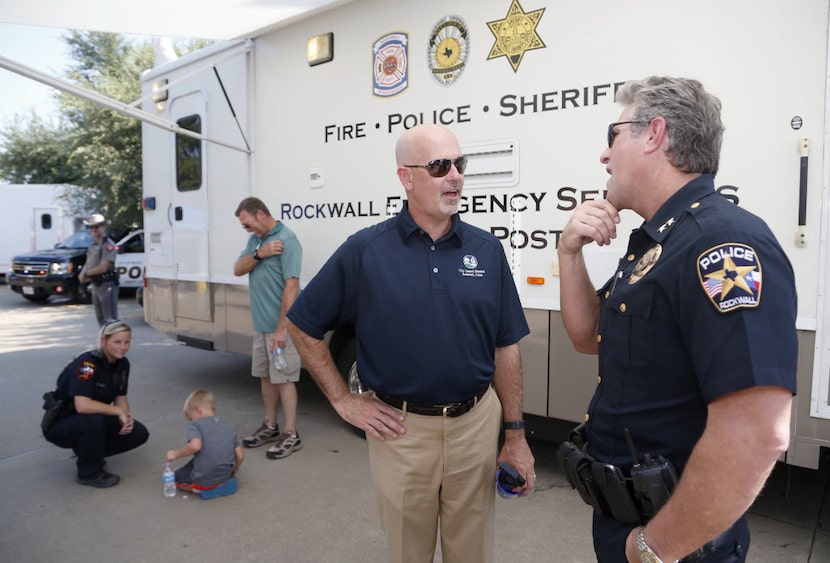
(602, 486)
(54, 407)
(112, 276)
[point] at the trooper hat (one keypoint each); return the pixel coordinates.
(95, 219)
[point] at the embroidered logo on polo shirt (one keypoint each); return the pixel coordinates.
(86, 370)
(730, 274)
(470, 267)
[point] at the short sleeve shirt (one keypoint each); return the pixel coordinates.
(428, 315)
(100, 251)
(266, 282)
(702, 304)
(214, 463)
(91, 375)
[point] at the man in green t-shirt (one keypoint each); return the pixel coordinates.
(272, 260)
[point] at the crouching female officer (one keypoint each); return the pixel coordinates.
(97, 422)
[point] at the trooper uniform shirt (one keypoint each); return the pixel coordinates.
(100, 251)
(702, 304)
(91, 375)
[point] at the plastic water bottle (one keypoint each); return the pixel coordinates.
(169, 479)
(279, 360)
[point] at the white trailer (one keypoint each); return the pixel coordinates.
(528, 87)
(33, 218)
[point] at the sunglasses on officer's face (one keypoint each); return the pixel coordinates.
(441, 167)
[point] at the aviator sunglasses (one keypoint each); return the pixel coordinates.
(612, 133)
(441, 167)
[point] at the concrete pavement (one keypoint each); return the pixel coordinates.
(314, 506)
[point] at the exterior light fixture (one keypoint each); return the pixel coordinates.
(320, 49)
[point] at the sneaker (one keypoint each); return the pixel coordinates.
(286, 443)
(263, 435)
(100, 480)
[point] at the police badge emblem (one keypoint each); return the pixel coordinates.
(730, 275)
(86, 371)
(448, 49)
(645, 264)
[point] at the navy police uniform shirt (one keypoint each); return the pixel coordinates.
(702, 304)
(428, 315)
(91, 375)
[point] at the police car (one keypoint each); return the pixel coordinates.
(42, 273)
(130, 260)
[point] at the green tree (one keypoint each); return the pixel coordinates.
(92, 148)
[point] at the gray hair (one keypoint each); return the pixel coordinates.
(692, 116)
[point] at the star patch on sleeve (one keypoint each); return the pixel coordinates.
(730, 275)
(86, 370)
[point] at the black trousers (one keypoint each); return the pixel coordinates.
(94, 437)
(730, 547)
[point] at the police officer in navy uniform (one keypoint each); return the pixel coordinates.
(100, 270)
(98, 422)
(695, 330)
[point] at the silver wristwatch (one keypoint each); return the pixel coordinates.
(647, 555)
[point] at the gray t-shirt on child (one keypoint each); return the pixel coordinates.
(214, 463)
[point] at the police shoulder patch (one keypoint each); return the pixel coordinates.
(109, 246)
(730, 275)
(86, 370)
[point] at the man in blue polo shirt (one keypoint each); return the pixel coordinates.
(696, 363)
(272, 260)
(438, 324)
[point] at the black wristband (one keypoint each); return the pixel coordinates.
(256, 255)
(515, 425)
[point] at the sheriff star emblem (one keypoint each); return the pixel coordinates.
(516, 34)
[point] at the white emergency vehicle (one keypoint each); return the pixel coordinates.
(306, 115)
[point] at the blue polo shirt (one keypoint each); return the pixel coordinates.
(703, 304)
(266, 281)
(428, 315)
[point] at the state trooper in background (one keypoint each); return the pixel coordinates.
(100, 270)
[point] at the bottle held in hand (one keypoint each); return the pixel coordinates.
(279, 359)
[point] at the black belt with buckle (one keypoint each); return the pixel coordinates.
(450, 410)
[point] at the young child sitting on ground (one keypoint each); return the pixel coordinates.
(215, 447)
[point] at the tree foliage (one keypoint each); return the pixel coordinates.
(95, 150)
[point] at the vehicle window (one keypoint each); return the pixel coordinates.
(134, 244)
(189, 155)
(81, 239)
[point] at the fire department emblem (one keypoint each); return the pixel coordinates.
(730, 274)
(448, 49)
(516, 34)
(391, 70)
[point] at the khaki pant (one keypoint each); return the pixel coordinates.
(441, 471)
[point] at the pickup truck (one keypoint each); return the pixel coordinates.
(43, 273)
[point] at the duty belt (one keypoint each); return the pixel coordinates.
(450, 410)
